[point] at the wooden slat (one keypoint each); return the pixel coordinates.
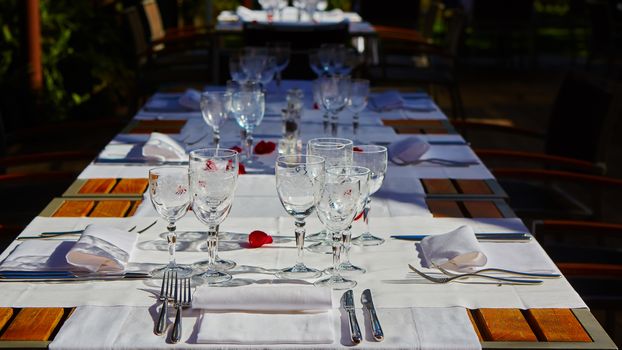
(131, 186)
(444, 208)
(556, 325)
(474, 324)
(97, 186)
(132, 210)
(408, 130)
(437, 131)
(114, 209)
(503, 325)
(473, 186)
(76, 208)
(33, 324)
(5, 315)
(482, 209)
(439, 186)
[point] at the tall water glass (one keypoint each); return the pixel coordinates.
(374, 158)
(168, 189)
(336, 152)
(213, 177)
(299, 183)
(215, 108)
(334, 92)
(357, 101)
(248, 109)
(336, 209)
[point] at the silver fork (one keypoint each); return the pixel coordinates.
(509, 272)
(165, 294)
(183, 298)
(439, 161)
(468, 275)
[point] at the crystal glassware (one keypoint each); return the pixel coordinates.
(374, 158)
(213, 177)
(334, 93)
(168, 189)
(215, 108)
(236, 70)
(357, 101)
(248, 109)
(336, 209)
(281, 52)
(299, 183)
(361, 174)
(336, 152)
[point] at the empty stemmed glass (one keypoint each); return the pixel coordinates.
(281, 52)
(336, 209)
(374, 158)
(215, 107)
(357, 101)
(168, 189)
(334, 92)
(361, 174)
(236, 70)
(299, 183)
(248, 107)
(336, 152)
(213, 177)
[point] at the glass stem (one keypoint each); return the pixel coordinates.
(216, 137)
(212, 245)
(278, 80)
(249, 145)
(300, 240)
(366, 216)
(347, 243)
(336, 253)
(171, 239)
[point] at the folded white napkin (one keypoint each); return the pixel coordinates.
(265, 315)
(248, 15)
(191, 99)
(39, 255)
(271, 298)
(455, 250)
(444, 328)
(408, 149)
(163, 147)
(102, 248)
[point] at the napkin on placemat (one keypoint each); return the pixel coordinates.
(265, 315)
(33, 255)
(162, 146)
(191, 99)
(455, 250)
(444, 328)
(102, 248)
(408, 149)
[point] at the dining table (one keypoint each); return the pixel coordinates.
(420, 199)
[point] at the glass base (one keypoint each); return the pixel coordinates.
(219, 264)
(213, 277)
(299, 271)
(322, 247)
(367, 239)
(347, 268)
(335, 282)
(182, 271)
(319, 236)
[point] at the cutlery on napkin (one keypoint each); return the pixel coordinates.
(409, 149)
(264, 315)
(454, 250)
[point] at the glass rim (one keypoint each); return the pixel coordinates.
(226, 152)
(316, 159)
(168, 167)
(215, 93)
(331, 139)
(332, 170)
(374, 149)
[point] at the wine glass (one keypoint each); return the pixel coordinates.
(334, 91)
(336, 152)
(299, 181)
(375, 158)
(268, 71)
(281, 52)
(253, 65)
(168, 189)
(361, 174)
(316, 64)
(357, 101)
(215, 107)
(248, 107)
(336, 209)
(213, 177)
(236, 70)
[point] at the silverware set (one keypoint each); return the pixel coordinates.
(178, 292)
(347, 303)
(54, 234)
(438, 161)
(528, 277)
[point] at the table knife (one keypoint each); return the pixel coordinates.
(368, 303)
(347, 302)
(492, 236)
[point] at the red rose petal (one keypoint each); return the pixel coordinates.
(264, 147)
(357, 149)
(358, 216)
(258, 238)
(241, 169)
(236, 148)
